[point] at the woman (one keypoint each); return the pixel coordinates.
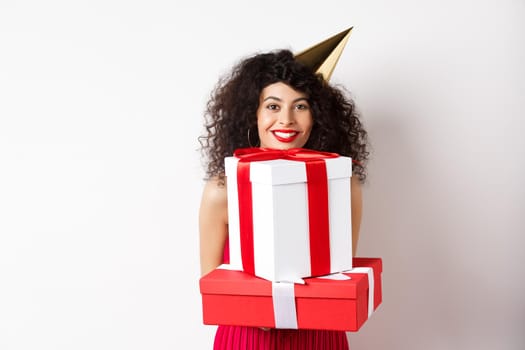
(272, 100)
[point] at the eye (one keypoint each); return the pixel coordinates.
(272, 107)
(302, 106)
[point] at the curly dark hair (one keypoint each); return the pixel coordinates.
(231, 121)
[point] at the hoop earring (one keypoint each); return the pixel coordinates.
(249, 140)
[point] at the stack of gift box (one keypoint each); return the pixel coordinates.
(290, 245)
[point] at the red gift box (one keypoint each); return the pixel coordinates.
(238, 298)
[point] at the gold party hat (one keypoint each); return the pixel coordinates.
(323, 56)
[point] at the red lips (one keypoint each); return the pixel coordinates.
(285, 135)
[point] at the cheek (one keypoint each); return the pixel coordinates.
(264, 121)
(308, 124)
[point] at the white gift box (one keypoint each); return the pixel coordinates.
(281, 243)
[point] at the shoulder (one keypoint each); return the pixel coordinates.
(356, 188)
(355, 182)
(214, 192)
(214, 203)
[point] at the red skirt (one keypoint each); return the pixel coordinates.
(253, 338)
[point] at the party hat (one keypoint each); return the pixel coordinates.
(323, 56)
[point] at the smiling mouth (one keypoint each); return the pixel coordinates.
(285, 135)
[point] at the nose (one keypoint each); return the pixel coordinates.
(286, 117)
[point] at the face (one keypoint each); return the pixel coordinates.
(284, 118)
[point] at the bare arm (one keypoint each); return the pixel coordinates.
(213, 225)
(357, 209)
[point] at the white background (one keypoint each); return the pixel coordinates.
(100, 176)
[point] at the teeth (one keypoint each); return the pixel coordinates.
(285, 134)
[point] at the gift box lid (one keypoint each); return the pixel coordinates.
(282, 171)
(230, 282)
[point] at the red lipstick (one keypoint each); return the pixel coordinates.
(285, 135)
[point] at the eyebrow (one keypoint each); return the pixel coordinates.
(280, 100)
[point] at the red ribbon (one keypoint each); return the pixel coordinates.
(318, 214)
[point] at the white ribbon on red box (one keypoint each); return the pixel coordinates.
(284, 312)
